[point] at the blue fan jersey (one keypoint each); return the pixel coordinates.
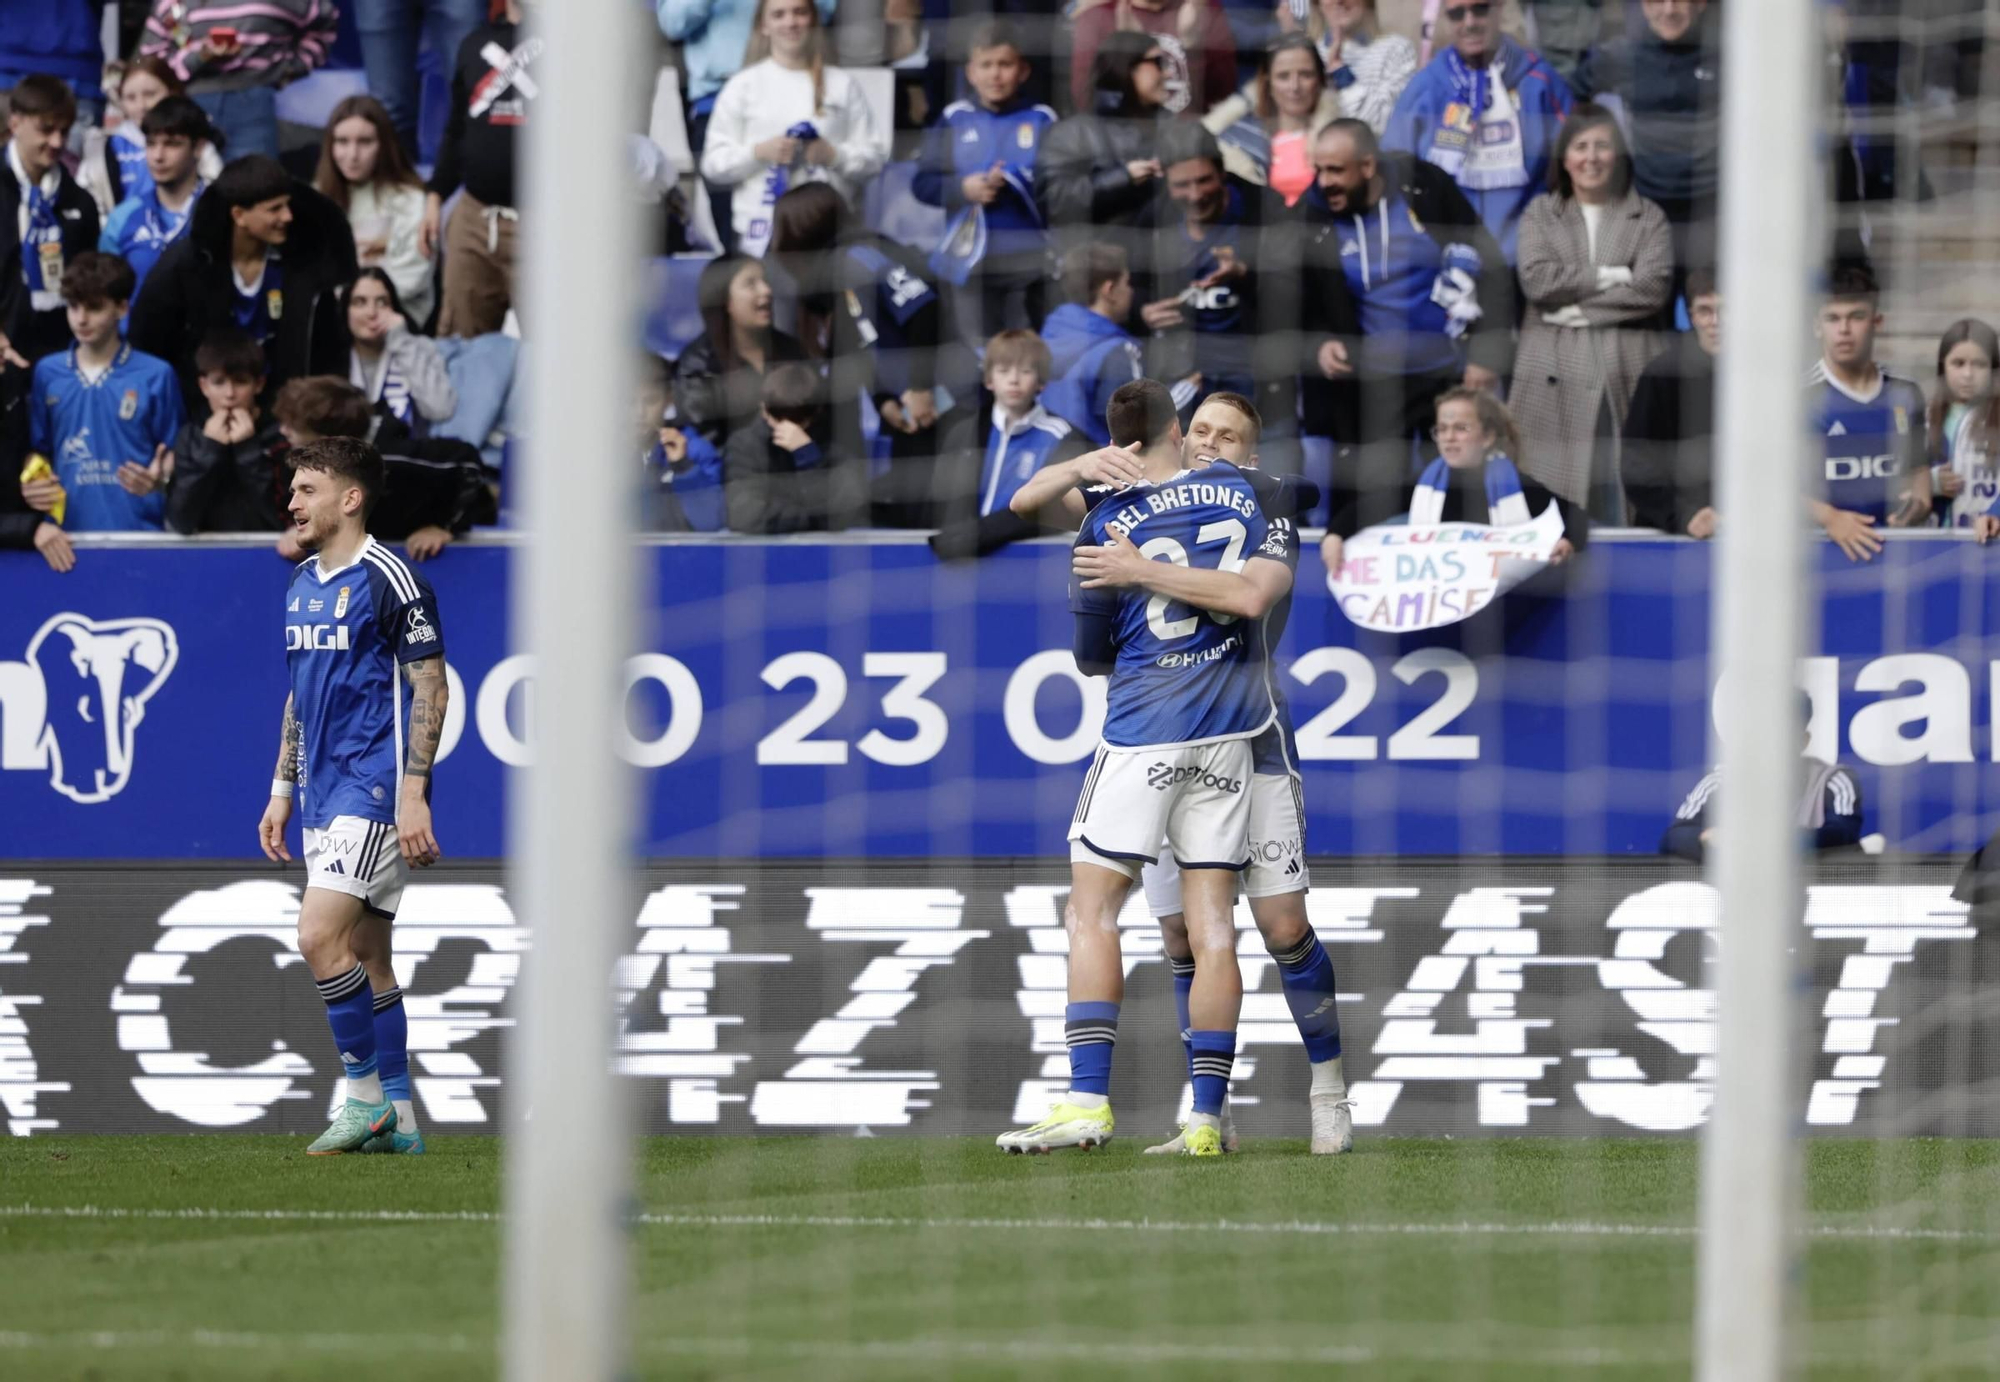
(1183, 675)
(1872, 445)
(347, 635)
(89, 427)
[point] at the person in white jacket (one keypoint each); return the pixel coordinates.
(363, 169)
(755, 139)
(403, 374)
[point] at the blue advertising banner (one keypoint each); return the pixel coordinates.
(863, 700)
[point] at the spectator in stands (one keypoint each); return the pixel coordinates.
(46, 220)
(1097, 168)
(437, 489)
(1090, 351)
(683, 466)
(1566, 30)
(1669, 451)
(1829, 815)
(230, 473)
(1487, 111)
(1475, 479)
(234, 57)
(1871, 424)
(1597, 268)
(1016, 435)
(1267, 130)
(1411, 297)
(178, 142)
(781, 475)
(867, 307)
(789, 118)
(719, 379)
(713, 35)
(391, 31)
(1669, 78)
(1197, 53)
(113, 167)
(60, 38)
(265, 253)
(364, 171)
(491, 87)
(401, 373)
(1366, 68)
(103, 413)
(1962, 424)
(978, 163)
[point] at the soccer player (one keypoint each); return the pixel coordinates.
(1186, 697)
(366, 653)
(1226, 427)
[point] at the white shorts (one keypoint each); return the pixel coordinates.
(1196, 798)
(1277, 848)
(360, 858)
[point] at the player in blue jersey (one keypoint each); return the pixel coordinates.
(1871, 423)
(103, 413)
(366, 654)
(1186, 697)
(1226, 428)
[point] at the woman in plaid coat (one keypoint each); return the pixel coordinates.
(1596, 268)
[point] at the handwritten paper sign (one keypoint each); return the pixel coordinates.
(1398, 579)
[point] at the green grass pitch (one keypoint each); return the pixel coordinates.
(821, 1258)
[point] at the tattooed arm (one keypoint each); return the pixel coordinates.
(278, 811)
(427, 707)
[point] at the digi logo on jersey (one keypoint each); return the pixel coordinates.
(318, 638)
(74, 705)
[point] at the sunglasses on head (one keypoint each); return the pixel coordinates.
(1478, 10)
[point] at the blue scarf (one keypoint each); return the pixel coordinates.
(964, 246)
(1505, 504)
(41, 247)
(757, 238)
(159, 226)
(1472, 89)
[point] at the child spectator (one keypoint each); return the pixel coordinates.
(978, 163)
(1872, 442)
(103, 413)
(364, 171)
(178, 141)
(492, 83)
(113, 168)
(779, 477)
(266, 254)
(1018, 436)
(719, 379)
(401, 373)
(229, 471)
(788, 117)
(46, 220)
(1090, 351)
(234, 57)
(1669, 440)
(684, 470)
(1963, 424)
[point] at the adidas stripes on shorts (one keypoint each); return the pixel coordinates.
(1195, 797)
(360, 858)
(1277, 848)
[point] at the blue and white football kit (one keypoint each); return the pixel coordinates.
(1187, 692)
(1871, 443)
(89, 426)
(348, 634)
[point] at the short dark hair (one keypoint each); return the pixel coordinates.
(792, 393)
(1241, 405)
(95, 277)
(1187, 141)
(1140, 411)
(1700, 284)
(179, 115)
(1088, 267)
(43, 97)
(325, 405)
(1588, 116)
(344, 458)
(1850, 282)
(994, 33)
(1366, 145)
(251, 180)
(231, 353)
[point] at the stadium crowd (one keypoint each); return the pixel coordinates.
(909, 249)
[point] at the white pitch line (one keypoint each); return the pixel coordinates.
(1279, 1228)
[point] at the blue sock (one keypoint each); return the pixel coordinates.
(392, 1044)
(1214, 1054)
(1183, 986)
(350, 1011)
(1091, 1029)
(1307, 975)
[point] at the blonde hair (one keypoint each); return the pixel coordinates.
(759, 48)
(1494, 419)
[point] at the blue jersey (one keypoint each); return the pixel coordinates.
(1391, 264)
(140, 228)
(347, 635)
(969, 138)
(89, 427)
(256, 310)
(1183, 675)
(1871, 445)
